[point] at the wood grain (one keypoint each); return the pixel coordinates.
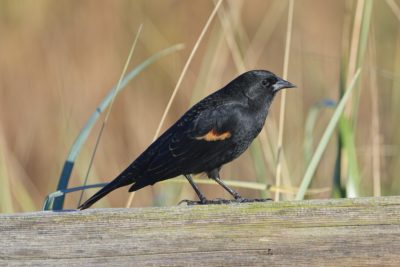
(344, 232)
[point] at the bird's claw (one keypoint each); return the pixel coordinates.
(188, 202)
(205, 202)
(222, 201)
(249, 200)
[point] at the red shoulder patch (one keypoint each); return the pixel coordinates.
(213, 135)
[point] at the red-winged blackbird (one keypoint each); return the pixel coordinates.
(213, 132)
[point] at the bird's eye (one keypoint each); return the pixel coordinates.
(264, 82)
(269, 81)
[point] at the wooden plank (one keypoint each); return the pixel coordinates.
(343, 232)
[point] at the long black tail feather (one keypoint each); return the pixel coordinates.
(116, 183)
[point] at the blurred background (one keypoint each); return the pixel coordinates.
(59, 59)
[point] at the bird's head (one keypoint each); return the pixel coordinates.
(261, 84)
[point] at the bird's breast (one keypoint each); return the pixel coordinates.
(250, 124)
(246, 131)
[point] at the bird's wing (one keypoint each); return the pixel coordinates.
(197, 137)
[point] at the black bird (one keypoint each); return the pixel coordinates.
(212, 133)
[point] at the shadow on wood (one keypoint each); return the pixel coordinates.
(342, 232)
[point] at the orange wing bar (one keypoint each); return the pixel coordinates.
(214, 136)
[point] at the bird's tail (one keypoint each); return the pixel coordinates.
(118, 182)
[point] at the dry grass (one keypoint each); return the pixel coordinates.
(59, 58)
(283, 97)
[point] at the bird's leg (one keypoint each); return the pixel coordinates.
(238, 198)
(230, 190)
(236, 195)
(202, 198)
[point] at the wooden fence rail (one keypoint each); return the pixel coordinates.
(341, 232)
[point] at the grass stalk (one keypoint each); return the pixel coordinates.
(14, 190)
(230, 40)
(347, 136)
(355, 40)
(375, 123)
(309, 126)
(338, 191)
(18, 191)
(362, 46)
(358, 46)
(6, 202)
(283, 98)
(264, 32)
(393, 168)
(394, 7)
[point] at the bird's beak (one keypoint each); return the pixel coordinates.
(282, 84)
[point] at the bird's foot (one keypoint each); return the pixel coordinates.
(207, 202)
(189, 202)
(219, 201)
(250, 200)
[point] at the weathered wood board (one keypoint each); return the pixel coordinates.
(345, 232)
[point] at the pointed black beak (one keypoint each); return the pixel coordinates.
(282, 84)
